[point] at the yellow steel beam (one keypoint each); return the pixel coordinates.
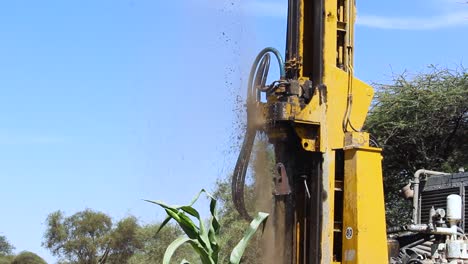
(364, 235)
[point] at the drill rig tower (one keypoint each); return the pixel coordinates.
(328, 197)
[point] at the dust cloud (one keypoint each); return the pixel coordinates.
(263, 169)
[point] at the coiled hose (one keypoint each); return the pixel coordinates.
(257, 79)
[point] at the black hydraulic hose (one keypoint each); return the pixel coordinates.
(251, 90)
(261, 75)
(240, 171)
(257, 79)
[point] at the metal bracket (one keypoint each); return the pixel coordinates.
(281, 181)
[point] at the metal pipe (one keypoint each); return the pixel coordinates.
(445, 230)
(423, 228)
(416, 181)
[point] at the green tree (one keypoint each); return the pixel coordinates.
(124, 241)
(6, 259)
(27, 257)
(6, 251)
(89, 237)
(5, 247)
(421, 122)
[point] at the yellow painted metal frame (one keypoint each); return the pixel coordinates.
(364, 235)
(363, 203)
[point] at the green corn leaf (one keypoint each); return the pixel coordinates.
(213, 238)
(214, 227)
(203, 239)
(173, 214)
(173, 247)
(214, 213)
(205, 257)
(163, 224)
(202, 234)
(195, 199)
(191, 211)
(163, 204)
(214, 223)
(239, 249)
(184, 221)
(188, 226)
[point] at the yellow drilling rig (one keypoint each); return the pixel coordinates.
(329, 205)
(328, 190)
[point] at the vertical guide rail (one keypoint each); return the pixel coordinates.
(293, 59)
(305, 50)
(298, 216)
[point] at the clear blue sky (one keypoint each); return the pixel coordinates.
(104, 103)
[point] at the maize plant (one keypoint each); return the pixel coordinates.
(203, 236)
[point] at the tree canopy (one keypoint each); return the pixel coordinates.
(421, 122)
(27, 257)
(88, 237)
(5, 247)
(8, 257)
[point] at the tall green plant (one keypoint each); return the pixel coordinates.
(202, 237)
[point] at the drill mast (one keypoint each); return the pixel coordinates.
(328, 199)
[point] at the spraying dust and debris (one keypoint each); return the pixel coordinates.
(263, 165)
